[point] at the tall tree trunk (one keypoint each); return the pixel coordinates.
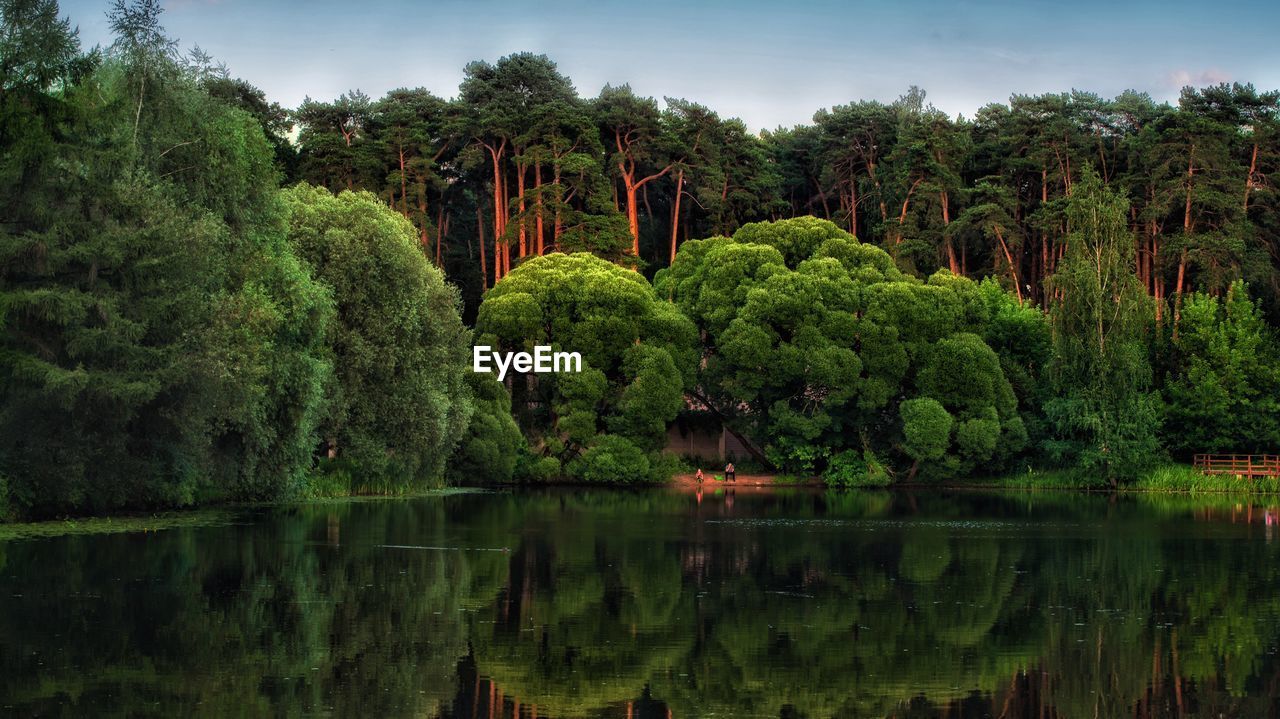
(422, 214)
(902, 218)
(946, 222)
(499, 226)
(558, 225)
(506, 222)
(1187, 227)
(633, 219)
(537, 184)
(484, 272)
(853, 206)
(627, 171)
(521, 171)
(442, 229)
(1253, 168)
(884, 209)
(675, 213)
(404, 186)
(1177, 295)
(1013, 268)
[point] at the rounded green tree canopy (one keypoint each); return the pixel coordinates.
(400, 348)
(638, 356)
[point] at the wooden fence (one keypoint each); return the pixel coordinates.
(1250, 466)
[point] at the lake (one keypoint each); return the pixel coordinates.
(656, 603)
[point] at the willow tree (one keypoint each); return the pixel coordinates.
(399, 346)
(1105, 416)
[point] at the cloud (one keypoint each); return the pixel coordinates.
(1179, 79)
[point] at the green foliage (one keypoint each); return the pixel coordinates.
(1224, 388)
(1105, 416)
(796, 239)
(400, 350)
(810, 355)
(851, 469)
(161, 345)
(6, 509)
(611, 459)
(492, 446)
(926, 428)
(637, 351)
(532, 468)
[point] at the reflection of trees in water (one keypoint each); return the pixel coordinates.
(801, 605)
(907, 620)
(262, 619)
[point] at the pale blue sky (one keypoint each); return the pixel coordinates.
(770, 63)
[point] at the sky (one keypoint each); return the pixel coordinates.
(769, 62)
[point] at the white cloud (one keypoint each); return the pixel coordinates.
(1179, 79)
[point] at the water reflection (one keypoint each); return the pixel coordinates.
(657, 604)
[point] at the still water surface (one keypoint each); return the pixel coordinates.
(598, 603)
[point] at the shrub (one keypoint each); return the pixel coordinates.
(854, 469)
(611, 459)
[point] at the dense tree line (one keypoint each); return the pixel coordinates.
(1071, 206)
(176, 328)
(519, 164)
(886, 293)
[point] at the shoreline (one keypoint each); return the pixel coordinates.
(755, 483)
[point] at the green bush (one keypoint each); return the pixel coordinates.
(638, 356)
(399, 347)
(535, 469)
(926, 424)
(6, 512)
(664, 466)
(492, 445)
(853, 469)
(612, 459)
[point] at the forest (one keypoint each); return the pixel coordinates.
(207, 296)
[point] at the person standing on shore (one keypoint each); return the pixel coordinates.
(729, 473)
(698, 476)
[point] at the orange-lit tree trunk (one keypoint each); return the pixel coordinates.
(884, 208)
(631, 185)
(853, 206)
(902, 218)
(558, 223)
(537, 185)
(946, 222)
(1013, 268)
(496, 154)
(422, 214)
(675, 213)
(521, 170)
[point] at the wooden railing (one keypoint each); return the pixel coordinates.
(1243, 465)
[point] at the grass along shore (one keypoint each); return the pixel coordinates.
(1172, 477)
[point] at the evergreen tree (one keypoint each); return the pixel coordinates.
(1224, 389)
